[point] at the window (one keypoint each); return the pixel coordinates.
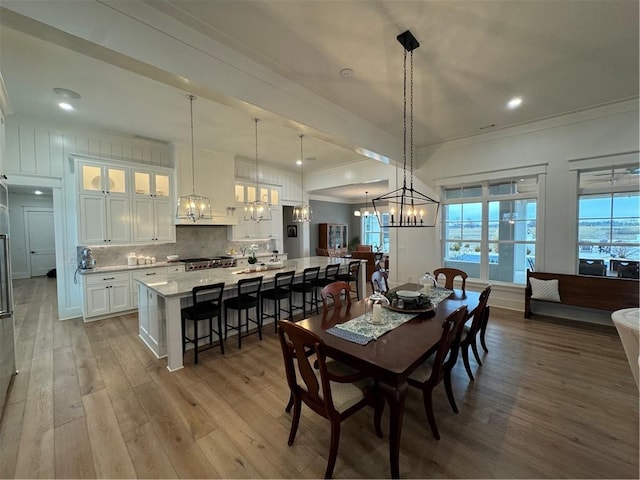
(608, 220)
(489, 229)
(375, 235)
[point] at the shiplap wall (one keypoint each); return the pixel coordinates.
(40, 150)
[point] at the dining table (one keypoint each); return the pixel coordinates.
(393, 356)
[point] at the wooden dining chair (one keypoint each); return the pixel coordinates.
(379, 281)
(471, 329)
(335, 291)
(449, 275)
(438, 367)
(335, 392)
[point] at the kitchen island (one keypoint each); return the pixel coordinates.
(161, 298)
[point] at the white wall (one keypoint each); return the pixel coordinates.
(559, 146)
(19, 253)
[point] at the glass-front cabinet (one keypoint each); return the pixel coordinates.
(103, 179)
(119, 204)
(151, 184)
(334, 237)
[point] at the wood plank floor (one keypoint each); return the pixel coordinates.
(552, 400)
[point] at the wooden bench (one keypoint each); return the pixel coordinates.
(604, 293)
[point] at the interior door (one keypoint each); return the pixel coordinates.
(41, 240)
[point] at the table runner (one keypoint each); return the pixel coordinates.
(358, 330)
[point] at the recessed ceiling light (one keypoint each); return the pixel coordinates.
(298, 162)
(514, 102)
(38, 192)
(346, 73)
(65, 106)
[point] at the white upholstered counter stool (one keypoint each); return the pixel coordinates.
(627, 322)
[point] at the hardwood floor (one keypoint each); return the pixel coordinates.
(552, 400)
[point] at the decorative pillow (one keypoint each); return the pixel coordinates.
(544, 289)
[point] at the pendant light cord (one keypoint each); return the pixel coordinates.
(256, 120)
(404, 122)
(193, 164)
(301, 173)
(411, 120)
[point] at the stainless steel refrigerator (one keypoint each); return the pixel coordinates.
(7, 341)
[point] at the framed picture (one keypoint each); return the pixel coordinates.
(292, 231)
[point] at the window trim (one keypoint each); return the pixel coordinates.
(489, 179)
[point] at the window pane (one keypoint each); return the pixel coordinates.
(502, 188)
(594, 231)
(508, 262)
(594, 206)
(471, 192)
(450, 193)
(453, 212)
(463, 252)
(452, 231)
(625, 205)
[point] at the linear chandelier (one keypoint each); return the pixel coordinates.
(193, 207)
(257, 210)
(407, 206)
(302, 213)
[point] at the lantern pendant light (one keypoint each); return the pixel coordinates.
(257, 210)
(407, 206)
(193, 207)
(302, 213)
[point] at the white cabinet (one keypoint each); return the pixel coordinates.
(104, 219)
(151, 321)
(106, 294)
(153, 215)
(153, 220)
(98, 178)
(249, 229)
(110, 211)
(149, 273)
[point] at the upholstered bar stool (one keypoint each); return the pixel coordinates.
(206, 306)
(281, 290)
(309, 285)
(248, 297)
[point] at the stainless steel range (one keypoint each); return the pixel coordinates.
(204, 263)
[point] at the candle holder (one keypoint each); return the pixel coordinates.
(373, 307)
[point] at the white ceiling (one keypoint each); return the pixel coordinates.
(559, 56)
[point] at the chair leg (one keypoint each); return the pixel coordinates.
(464, 347)
(483, 329)
(474, 347)
(259, 321)
(449, 390)
(239, 328)
(226, 318)
(184, 335)
(428, 408)
(297, 406)
(482, 342)
(220, 333)
(210, 330)
(195, 342)
(333, 449)
(290, 404)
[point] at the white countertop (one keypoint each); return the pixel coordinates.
(127, 268)
(177, 284)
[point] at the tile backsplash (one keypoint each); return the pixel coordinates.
(191, 242)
